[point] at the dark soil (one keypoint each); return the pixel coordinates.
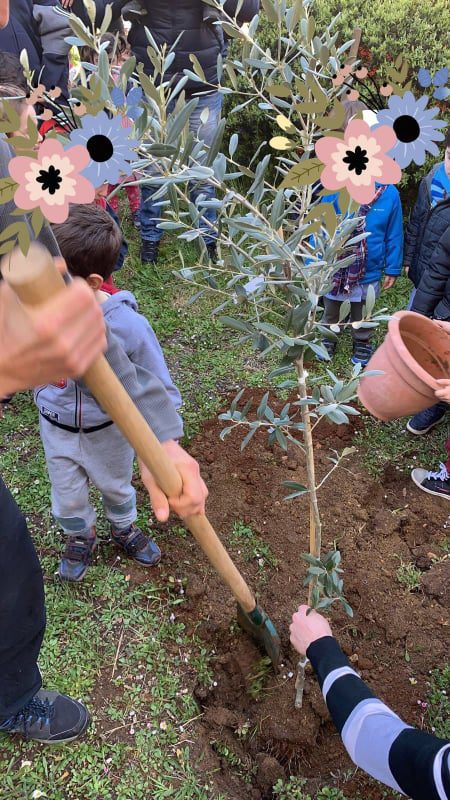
(395, 638)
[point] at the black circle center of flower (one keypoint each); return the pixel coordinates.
(99, 147)
(406, 129)
(50, 179)
(356, 160)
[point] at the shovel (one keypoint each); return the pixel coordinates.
(35, 279)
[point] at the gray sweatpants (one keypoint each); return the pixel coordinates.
(331, 317)
(103, 458)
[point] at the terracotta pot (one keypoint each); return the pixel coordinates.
(414, 353)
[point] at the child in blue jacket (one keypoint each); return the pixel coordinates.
(381, 253)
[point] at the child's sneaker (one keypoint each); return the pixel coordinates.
(362, 353)
(77, 557)
(138, 546)
(50, 718)
(137, 220)
(437, 483)
(330, 347)
(424, 421)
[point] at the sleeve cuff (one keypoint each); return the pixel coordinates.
(325, 656)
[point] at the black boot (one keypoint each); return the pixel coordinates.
(212, 252)
(149, 252)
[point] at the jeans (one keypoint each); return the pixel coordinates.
(151, 211)
(22, 610)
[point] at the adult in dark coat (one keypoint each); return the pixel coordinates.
(35, 26)
(192, 25)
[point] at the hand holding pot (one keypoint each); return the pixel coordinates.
(307, 628)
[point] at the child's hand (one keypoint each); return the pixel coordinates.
(389, 281)
(443, 393)
(192, 499)
(306, 629)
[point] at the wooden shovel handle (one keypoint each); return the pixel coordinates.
(35, 279)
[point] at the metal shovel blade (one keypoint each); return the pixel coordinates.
(261, 628)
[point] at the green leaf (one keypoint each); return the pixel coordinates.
(198, 69)
(7, 190)
(302, 174)
(247, 438)
(236, 324)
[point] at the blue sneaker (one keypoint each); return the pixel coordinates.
(330, 346)
(137, 545)
(49, 718)
(77, 557)
(424, 421)
(362, 353)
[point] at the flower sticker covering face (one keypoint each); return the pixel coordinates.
(415, 127)
(52, 180)
(359, 160)
(109, 146)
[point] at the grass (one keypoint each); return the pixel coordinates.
(438, 711)
(252, 548)
(408, 575)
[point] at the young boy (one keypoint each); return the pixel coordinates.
(81, 444)
(430, 219)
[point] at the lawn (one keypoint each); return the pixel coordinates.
(116, 641)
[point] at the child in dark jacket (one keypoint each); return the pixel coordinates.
(428, 224)
(81, 443)
(429, 218)
(432, 299)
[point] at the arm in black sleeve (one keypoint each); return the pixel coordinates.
(416, 220)
(248, 10)
(433, 283)
(412, 762)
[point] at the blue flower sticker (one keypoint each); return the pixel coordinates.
(439, 80)
(109, 147)
(130, 102)
(414, 126)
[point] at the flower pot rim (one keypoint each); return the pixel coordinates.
(402, 350)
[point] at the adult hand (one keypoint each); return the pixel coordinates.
(443, 393)
(306, 629)
(194, 493)
(389, 281)
(59, 338)
(67, 4)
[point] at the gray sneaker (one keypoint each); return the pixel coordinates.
(50, 718)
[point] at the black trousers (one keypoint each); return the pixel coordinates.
(22, 609)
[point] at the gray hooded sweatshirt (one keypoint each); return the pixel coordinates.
(69, 404)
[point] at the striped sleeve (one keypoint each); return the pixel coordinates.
(412, 762)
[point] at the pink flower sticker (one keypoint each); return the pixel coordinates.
(52, 180)
(359, 160)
